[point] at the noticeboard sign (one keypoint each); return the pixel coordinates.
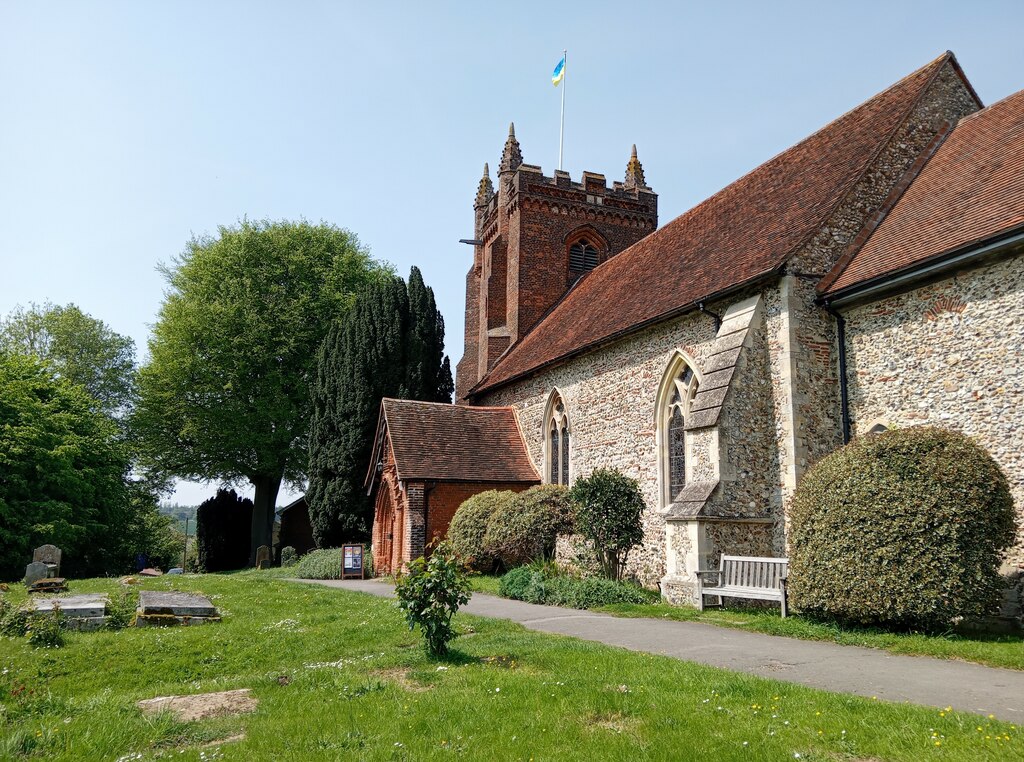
(352, 561)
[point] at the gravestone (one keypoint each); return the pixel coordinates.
(157, 609)
(263, 556)
(49, 555)
(36, 571)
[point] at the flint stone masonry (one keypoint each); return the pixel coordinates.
(947, 354)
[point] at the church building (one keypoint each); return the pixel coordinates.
(868, 277)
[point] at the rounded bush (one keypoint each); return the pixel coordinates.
(469, 525)
(289, 556)
(902, 528)
(526, 527)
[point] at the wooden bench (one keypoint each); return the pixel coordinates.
(754, 577)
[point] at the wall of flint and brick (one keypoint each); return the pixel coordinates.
(948, 354)
(782, 411)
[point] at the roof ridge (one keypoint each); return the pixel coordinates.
(984, 109)
(445, 404)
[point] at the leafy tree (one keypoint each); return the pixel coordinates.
(222, 540)
(63, 472)
(390, 344)
(609, 510)
(80, 348)
(225, 395)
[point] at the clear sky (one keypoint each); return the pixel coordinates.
(128, 127)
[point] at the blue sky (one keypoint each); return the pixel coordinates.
(128, 127)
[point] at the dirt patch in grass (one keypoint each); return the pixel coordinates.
(616, 722)
(507, 662)
(201, 706)
(400, 677)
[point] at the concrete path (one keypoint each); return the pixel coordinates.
(846, 669)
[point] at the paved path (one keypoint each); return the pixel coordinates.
(847, 669)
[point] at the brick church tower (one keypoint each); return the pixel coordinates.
(536, 237)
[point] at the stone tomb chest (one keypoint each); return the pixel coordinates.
(158, 609)
(81, 612)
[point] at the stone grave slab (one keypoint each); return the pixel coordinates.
(158, 608)
(81, 612)
(263, 556)
(202, 705)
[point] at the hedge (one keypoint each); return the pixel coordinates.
(546, 585)
(326, 564)
(903, 528)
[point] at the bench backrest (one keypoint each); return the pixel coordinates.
(753, 571)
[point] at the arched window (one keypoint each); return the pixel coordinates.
(582, 256)
(557, 455)
(678, 388)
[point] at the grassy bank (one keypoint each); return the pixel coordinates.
(338, 674)
(1005, 651)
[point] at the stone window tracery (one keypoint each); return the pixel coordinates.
(557, 455)
(674, 409)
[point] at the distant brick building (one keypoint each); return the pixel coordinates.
(426, 461)
(871, 275)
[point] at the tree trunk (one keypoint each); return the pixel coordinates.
(264, 503)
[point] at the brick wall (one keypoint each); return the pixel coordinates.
(445, 498)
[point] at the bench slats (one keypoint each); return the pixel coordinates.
(754, 577)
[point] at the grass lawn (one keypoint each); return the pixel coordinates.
(995, 650)
(339, 675)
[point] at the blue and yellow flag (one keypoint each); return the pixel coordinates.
(559, 73)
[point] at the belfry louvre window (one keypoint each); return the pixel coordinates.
(582, 256)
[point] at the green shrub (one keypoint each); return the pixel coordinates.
(609, 508)
(289, 556)
(14, 619)
(526, 527)
(325, 563)
(430, 593)
(469, 525)
(45, 628)
(548, 585)
(591, 592)
(902, 528)
(121, 609)
(515, 583)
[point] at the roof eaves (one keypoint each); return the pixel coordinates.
(1005, 242)
(482, 386)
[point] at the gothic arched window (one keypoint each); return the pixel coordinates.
(557, 455)
(674, 407)
(582, 256)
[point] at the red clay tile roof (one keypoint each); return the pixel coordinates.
(971, 190)
(435, 441)
(743, 232)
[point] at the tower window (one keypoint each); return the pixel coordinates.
(582, 256)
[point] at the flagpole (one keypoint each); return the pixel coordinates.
(561, 123)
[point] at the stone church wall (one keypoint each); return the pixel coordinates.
(947, 354)
(611, 399)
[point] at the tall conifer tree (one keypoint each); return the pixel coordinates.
(390, 344)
